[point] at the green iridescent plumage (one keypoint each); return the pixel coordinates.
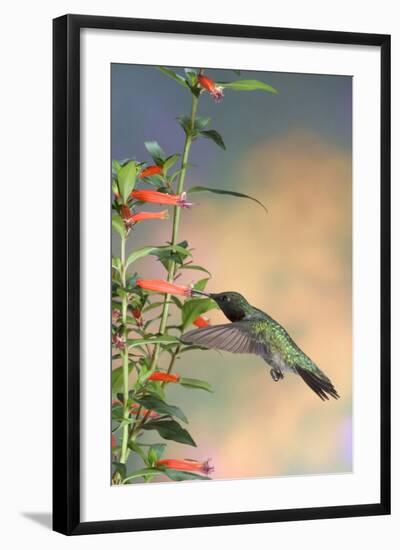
(253, 331)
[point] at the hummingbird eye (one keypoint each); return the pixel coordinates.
(225, 298)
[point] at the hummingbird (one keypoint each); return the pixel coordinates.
(252, 331)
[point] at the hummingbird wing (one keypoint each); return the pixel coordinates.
(234, 337)
(238, 337)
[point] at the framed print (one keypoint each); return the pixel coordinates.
(221, 274)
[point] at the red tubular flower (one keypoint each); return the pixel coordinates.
(150, 171)
(164, 377)
(161, 198)
(130, 219)
(164, 287)
(140, 216)
(201, 322)
(209, 85)
(113, 441)
(187, 465)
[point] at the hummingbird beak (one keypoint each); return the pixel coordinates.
(195, 292)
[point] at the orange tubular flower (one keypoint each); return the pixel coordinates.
(130, 219)
(201, 322)
(164, 377)
(187, 465)
(150, 171)
(140, 216)
(209, 85)
(164, 287)
(161, 198)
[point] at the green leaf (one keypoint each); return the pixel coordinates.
(117, 379)
(165, 251)
(193, 308)
(118, 225)
(155, 152)
(153, 340)
(178, 475)
(202, 122)
(186, 124)
(194, 383)
(199, 189)
(169, 162)
(183, 244)
(116, 264)
(115, 190)
(178, 78)
(154, 388)
(127, 179)
(191, 76)
(175, 174)
(154, 404)
(170, 430)
(131, 286)
(117, 411)
(135, 447)
(248, 85)
(155, 452)
(176, 301)
(201, 284)
(120, 468)
(214, 136)
(196, 267)
(159, 251)
(140, 253)
(116, 167)
(160, 185)
(142, 473)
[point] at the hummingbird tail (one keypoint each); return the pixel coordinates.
(319, 383)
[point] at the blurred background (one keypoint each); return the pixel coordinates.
(292, 151)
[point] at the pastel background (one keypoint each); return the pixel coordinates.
(293, 152)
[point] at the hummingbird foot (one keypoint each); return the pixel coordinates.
(276, 375)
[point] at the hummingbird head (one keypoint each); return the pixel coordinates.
(234, 306)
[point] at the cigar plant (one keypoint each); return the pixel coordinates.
(145, 336)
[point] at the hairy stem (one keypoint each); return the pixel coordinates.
(175, 225)
(125, 359)
(132, 434)
(173, 359)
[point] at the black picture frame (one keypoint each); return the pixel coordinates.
(66, 273)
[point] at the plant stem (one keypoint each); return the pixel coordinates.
(171, 274)
(175, 225)
(125, 359)
(173, 359)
